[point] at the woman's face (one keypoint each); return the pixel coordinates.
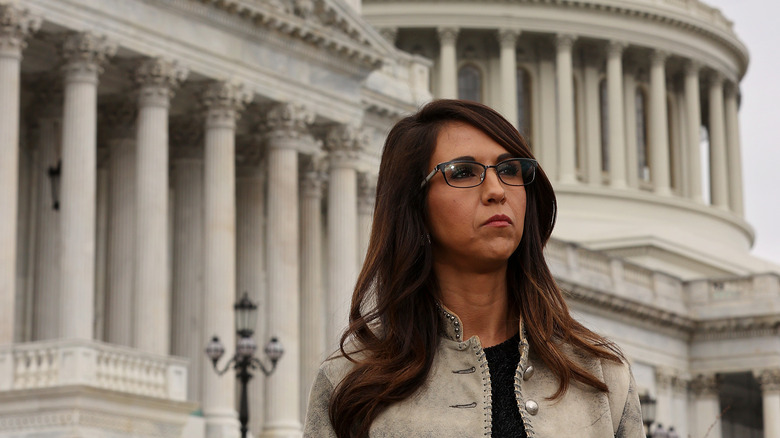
(478, 227)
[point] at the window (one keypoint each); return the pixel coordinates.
(524, 102)
(470, 83)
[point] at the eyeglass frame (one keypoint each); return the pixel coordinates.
(438, 167)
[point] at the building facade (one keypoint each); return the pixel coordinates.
(161, 157)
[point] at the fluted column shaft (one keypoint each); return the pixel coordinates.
(770, 398)
(151, 326)
(616, 116)
(565, 82)
(187, 297)
(313, 325)
(16, 27)
(659, 127)
(507, 39)
(287, 126)
(223, 102)
(366, 201)
(664, 403)
(707, 406)
(629, 99)
(84, 54)
(719, 183)
(734, 152)
(592, 116)
(448, 64)
(47, 261)
(693, 140)
(548, 155)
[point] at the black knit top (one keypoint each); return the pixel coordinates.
(502, 362)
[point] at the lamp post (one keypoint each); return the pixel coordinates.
(244, 360)
(648, 411)
(54, 173)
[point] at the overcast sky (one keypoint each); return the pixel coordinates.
(755, 22)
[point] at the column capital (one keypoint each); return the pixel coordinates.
(769, 379)
(85, 54)
(615, 48)
(156, 79)
(288, 120)
(389, 33)
(47, 96)
(448, 35)
(564, 41)
(692, 67)
(314, 176)
(705, 385)
(664, 377)
(680, 384)
(716, 78)
(366, 192)
(344, 144)
(223, 102)
(117, 119)
(658, 57)
(16, 24)
(508, 37)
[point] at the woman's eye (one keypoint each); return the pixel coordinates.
(461, 171)
(509, 169)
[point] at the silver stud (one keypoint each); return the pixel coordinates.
(529, 372)
(532, 407)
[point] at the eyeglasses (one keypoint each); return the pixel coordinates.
(465, 174)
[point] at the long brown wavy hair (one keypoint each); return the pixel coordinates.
(394, 319)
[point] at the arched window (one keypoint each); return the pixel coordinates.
(604, 115)
(470, 83)
(524, 102)
(641, 135)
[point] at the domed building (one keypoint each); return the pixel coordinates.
(161, 158)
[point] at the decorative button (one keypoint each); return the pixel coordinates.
(531, 407)
(529, 372)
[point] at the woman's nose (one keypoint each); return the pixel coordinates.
(492, 187)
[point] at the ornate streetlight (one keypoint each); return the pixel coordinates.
(244, 361)
(648, 411)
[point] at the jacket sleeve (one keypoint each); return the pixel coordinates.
(630, 424)
(317, 423)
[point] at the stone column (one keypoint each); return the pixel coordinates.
(16, 26)
(188, 336)
(548, 135)
(658, 131)
(223, 102)
(592, 117)
(770, 399)
(680, 416)
(119, 122)
(85, 54)
(156, 79)
(719, 183)
(101, 250)
(343, 145)
(693, 140)
(664, 402)
(616, 119)
(734, 151)
(313, 325)
(287, 134)
(366, 201)
(707, 405)
(448, 63)
(507, 39)
(566, 134)
(629, 100)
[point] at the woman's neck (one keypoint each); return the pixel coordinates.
(481, 302)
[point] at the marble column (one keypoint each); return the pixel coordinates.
(719, 183)
(187, 331)
(17, 25)
(592, 116)
(707, 406)
(448, 63)
(287, 133)
(313, 324)
(250, 226)
(658, 131)
(156, 79)
(616, 116)
(734, 151)
(223, 102)
(629, 103)
(663, 393)
(366, 201)
(680, 417)
(548, 135)
(84, 53)
(118, 119)
(769, 380)
(507, 39)
(101, 249)
(566, 134)
(693, 130)
(343, 145)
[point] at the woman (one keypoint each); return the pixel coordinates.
(457, 328)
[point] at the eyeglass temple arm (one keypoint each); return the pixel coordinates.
(428, 178)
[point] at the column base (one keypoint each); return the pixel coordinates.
(283, 430)
(222, 424)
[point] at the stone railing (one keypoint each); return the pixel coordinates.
(49, 364)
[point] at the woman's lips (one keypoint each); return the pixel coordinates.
(498, 220)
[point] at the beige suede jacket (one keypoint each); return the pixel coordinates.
(455, 401)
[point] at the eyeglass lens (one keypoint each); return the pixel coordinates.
(514, 172)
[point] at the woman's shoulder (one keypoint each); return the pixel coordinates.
(339, 364)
